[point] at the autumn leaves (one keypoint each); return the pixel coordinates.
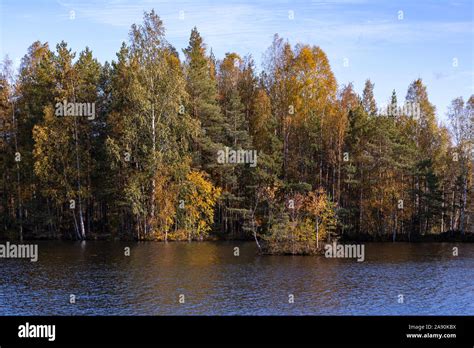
(180, 149)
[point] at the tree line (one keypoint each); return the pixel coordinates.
(329, 163)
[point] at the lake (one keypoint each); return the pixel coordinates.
(215, 282)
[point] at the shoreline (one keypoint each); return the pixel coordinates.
(438, 238)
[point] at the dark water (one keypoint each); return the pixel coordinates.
(215, 282)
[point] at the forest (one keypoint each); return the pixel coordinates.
(134, 149)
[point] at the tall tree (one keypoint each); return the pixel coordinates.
(157, 130)
(201, 87)
(461, 117)
(368, 99)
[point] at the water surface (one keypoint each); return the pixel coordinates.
(215, 282)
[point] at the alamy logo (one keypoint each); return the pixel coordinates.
(237, 157)
(20, 251)
(408, 109)
(37, 331)
(75, 109)
(348, 251)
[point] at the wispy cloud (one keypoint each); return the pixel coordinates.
(256, 21)
(390, 51)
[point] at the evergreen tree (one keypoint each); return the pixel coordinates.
(327, 168)
(368, 100)
(202, 104)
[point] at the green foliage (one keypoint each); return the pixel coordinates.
(146, 166)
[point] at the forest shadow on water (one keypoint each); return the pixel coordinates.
(394, 279)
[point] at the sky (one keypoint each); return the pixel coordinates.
(391, 42)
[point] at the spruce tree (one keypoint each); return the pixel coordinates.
(368, 100)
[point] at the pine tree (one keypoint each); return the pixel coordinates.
(35, 90)
(368, 100)
(62, 144)
(393, 102)
(233, 207)
(203, 106)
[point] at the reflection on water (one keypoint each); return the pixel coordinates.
(215, 282)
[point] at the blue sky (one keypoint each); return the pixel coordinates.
(390, 47)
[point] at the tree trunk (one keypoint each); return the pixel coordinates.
(20, 208)
(78, 169)
(464, 203)
(317, 234)
(153, 180)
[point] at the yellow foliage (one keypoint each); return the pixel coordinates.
(200, 198)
